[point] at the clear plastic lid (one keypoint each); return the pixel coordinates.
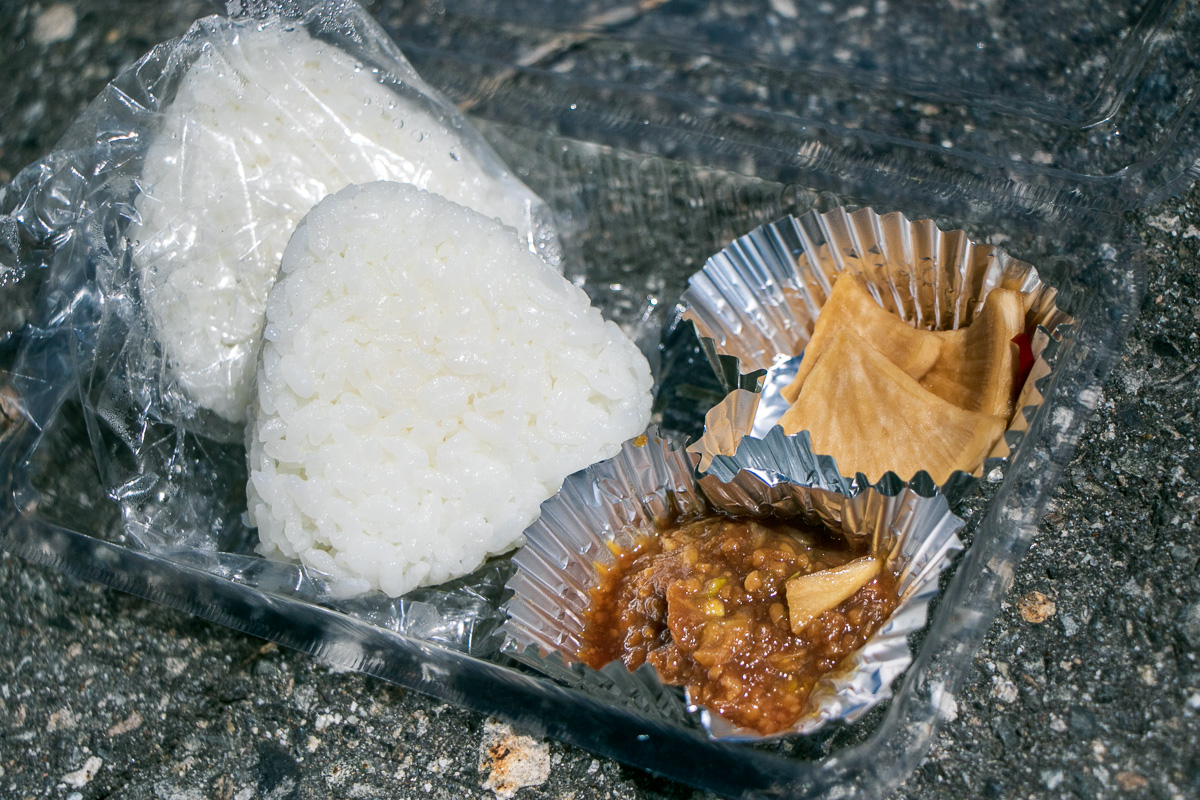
(1083, 102)
(93, 483)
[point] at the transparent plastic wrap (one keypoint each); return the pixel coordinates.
(101, 482)
(199, 161)
(179, 188)
(263, 122)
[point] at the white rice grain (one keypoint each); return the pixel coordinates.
(264, 124)
(425, 383)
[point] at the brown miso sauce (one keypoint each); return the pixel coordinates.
(704, 602)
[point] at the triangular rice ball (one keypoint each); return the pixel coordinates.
(851, 306)
(978, 366)
(872, 417)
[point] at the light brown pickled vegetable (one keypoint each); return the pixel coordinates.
(811, 595)
(978, 365)
(851, 306)
(704, 602)
(872, 417)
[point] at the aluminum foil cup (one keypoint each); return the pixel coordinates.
(757, 301)
(650, 483)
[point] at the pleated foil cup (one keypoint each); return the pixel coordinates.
(652, 483)
(757, 301)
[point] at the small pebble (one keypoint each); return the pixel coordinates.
(1036, 607)
(1052, 779)
(55, 24)
(130, 723)
(83, 776)
(1130, 781)
(785, 8)
(1188, 625)
(511, 761)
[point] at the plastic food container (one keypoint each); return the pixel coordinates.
(658, 132)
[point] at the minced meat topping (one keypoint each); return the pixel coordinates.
(704, 603)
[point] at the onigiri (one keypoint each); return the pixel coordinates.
(425, 383)
(265, 122)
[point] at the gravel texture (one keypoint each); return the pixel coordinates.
(1088, 684)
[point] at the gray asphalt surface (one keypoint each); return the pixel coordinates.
(1088, 684)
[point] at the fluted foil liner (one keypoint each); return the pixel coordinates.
(651, 483)
(757, 301)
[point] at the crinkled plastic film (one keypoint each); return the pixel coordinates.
(160, 220)
(104, 482)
